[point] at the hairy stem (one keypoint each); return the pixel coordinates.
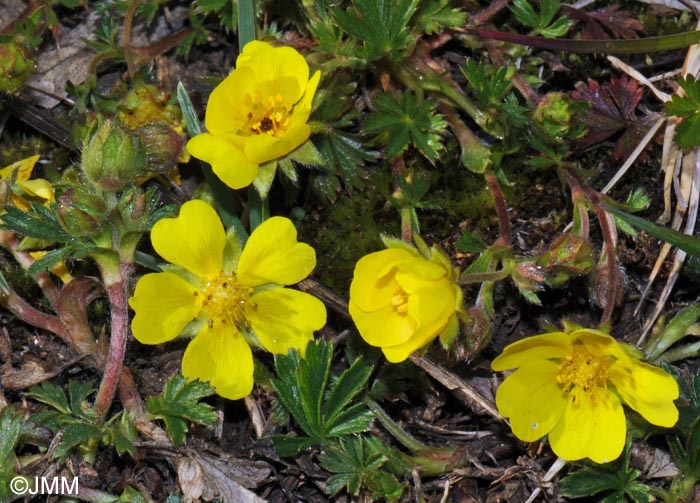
(501, 208)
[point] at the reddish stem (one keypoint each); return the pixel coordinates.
(117, 294)
(501, 208)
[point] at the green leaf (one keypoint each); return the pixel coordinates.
(688, 244)
(4, 287)
(434, 16)
(189, 114)
(321, 407)
(381, 26)
(470, 242)
(540, 23)
(404, 122)
(179, 404)
(52, 395)
(688, 107)
(358, 462)
(77, 394)
(38, 222)
(76, 434)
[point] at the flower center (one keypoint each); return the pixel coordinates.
(225, 300)
(269, 116)
(583, 372)
(400, 300)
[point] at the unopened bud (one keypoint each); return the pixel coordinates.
(568, 256)
(162, 146)
(81, 213)
(112, 158)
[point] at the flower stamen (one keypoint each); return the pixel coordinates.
(583, 372)
(225, 300)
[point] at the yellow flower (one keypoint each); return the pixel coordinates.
(227, 302)
(401, 301)
(257, 114)
(572, 385)
(18, 174)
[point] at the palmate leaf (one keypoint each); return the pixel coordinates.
(381, 26)
(179, 404)
(687, 107)
(39, 222)
(405, 121)
(320, 405)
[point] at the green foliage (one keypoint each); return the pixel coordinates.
(689, 244)
(76, 421)
(470, 242)
(343, 149)
(39, 222)
(404, 121)
(11, 428)
(409, 197)
(617, 477)
(687, 107)
(226, 11)
(435, 15)
(491, 86)
(542, 23)
(320, 405)
(381, 27)
(179, 404)
(358, 462)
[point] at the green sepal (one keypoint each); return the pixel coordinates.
(266, 175)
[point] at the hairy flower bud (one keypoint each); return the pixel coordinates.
(15, 66)
(81, 213)
(112, 158)
(162, 146)
(567, 256)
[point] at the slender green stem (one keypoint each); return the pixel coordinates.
(258, 208)
(406, 439)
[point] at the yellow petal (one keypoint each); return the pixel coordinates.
(648, 390)
(283, 318)
(263, 147)
(226, 156)
(272, 254)
(383, 327)
(531, 398)
(373, 279)
(222, 357)
(20, 170)
(227, 107)
(590, 428)
(164, 304)
(38, 188)
(278, 70)
(307, 101)
(538, 347)
(194, 240)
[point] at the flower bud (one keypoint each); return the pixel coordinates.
(528, 277)
(567, 256)
(81, 213)
(555, 115)
(162, 146)
(112, 158)
(15, 66)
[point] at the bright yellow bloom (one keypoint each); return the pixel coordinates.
(257, 114)
(401, 301)
(18, 173)
(572, 385)
(226, 301)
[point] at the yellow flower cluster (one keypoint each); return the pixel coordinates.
(228, 301)
(258, 113)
